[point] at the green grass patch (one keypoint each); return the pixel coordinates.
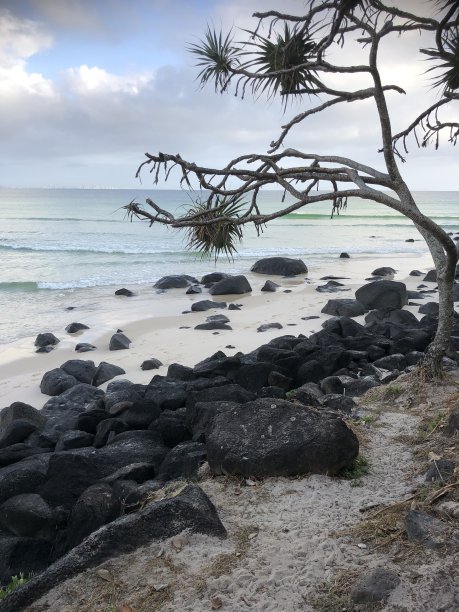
(392, 392)
(356, 471)
(14, 583)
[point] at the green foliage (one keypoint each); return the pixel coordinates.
(14, 583)
(216, 54)
(356, 471)
(222, 236)
(392, 392)
(286, 56)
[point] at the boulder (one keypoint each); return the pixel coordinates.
(344, 255)
(331, 287)
(429, 308)
(200, 414)
(391, 362)
(172, 426)
(46, 339)
(84, 347)
(254, 376)
(180, 372)
(267, 326)
(95, 507)
(28, 515)
(374, 586)
(73, 328)
(213, 277)
(430, 277)
(427, 530)
(119, 342)
(55, 382)
(27, 476)
(280, 266)
(382, 294)
(193, 290)
(228, 393)
(62, 411)
(125, 292)
(441, 470)
(104, 372)
(415, 273)
(74, 439)
(82, 370)
(384, 271)
(206, 305)
(183, 461)
(18, 452)
(68, 475)
(150, 364)
(166, 394)
(341, 403)
(270, 286)
(211, 325)
(395, 316)
(19, 410)
(21, 556)
(140, 414)
(217, 364)
(344, 308)
(175, 281)
(17, 431)
(88, 420)
(309, 394)
(278, 438)
(107, 430)
(191, 509)
(231, 285)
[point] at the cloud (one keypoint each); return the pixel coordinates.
(89, 81)
(20, 40)
(91, 123)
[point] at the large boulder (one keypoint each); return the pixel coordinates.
(213, 277)
(203, 305)
(231, 285)
(19, 410)
(188, 509)
(175, 281)
(56, 382)
(22, 555)
(382, 294)
(82, 370)
(281, 266)
(344, 308)
(278, 438)
(28, 515)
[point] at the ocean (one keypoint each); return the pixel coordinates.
(65, 247)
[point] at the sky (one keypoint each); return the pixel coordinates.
(88, 86)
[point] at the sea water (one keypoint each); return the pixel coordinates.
(61, 247)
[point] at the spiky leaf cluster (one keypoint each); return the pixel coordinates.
(447, 61)
(220, 237)
(216, 55)
(285, 55)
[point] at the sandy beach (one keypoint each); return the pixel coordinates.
(157, 327)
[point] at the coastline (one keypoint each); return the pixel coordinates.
(152, 321)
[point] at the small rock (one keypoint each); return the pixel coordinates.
(73, 328)
(46, 339)
(104, 574)
(270, 286)
(267, 326)
(344, 256)
(84, 347)
(125, 292)
(216, 603)
(151, 364)
(119, 342)
(374, 586)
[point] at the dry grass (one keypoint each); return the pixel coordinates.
(334, 596)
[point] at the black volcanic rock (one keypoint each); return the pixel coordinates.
(280, 266)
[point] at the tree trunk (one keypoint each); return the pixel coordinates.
(445, 265)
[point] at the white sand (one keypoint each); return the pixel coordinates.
(152, 321)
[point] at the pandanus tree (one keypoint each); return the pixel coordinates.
(289, 56)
